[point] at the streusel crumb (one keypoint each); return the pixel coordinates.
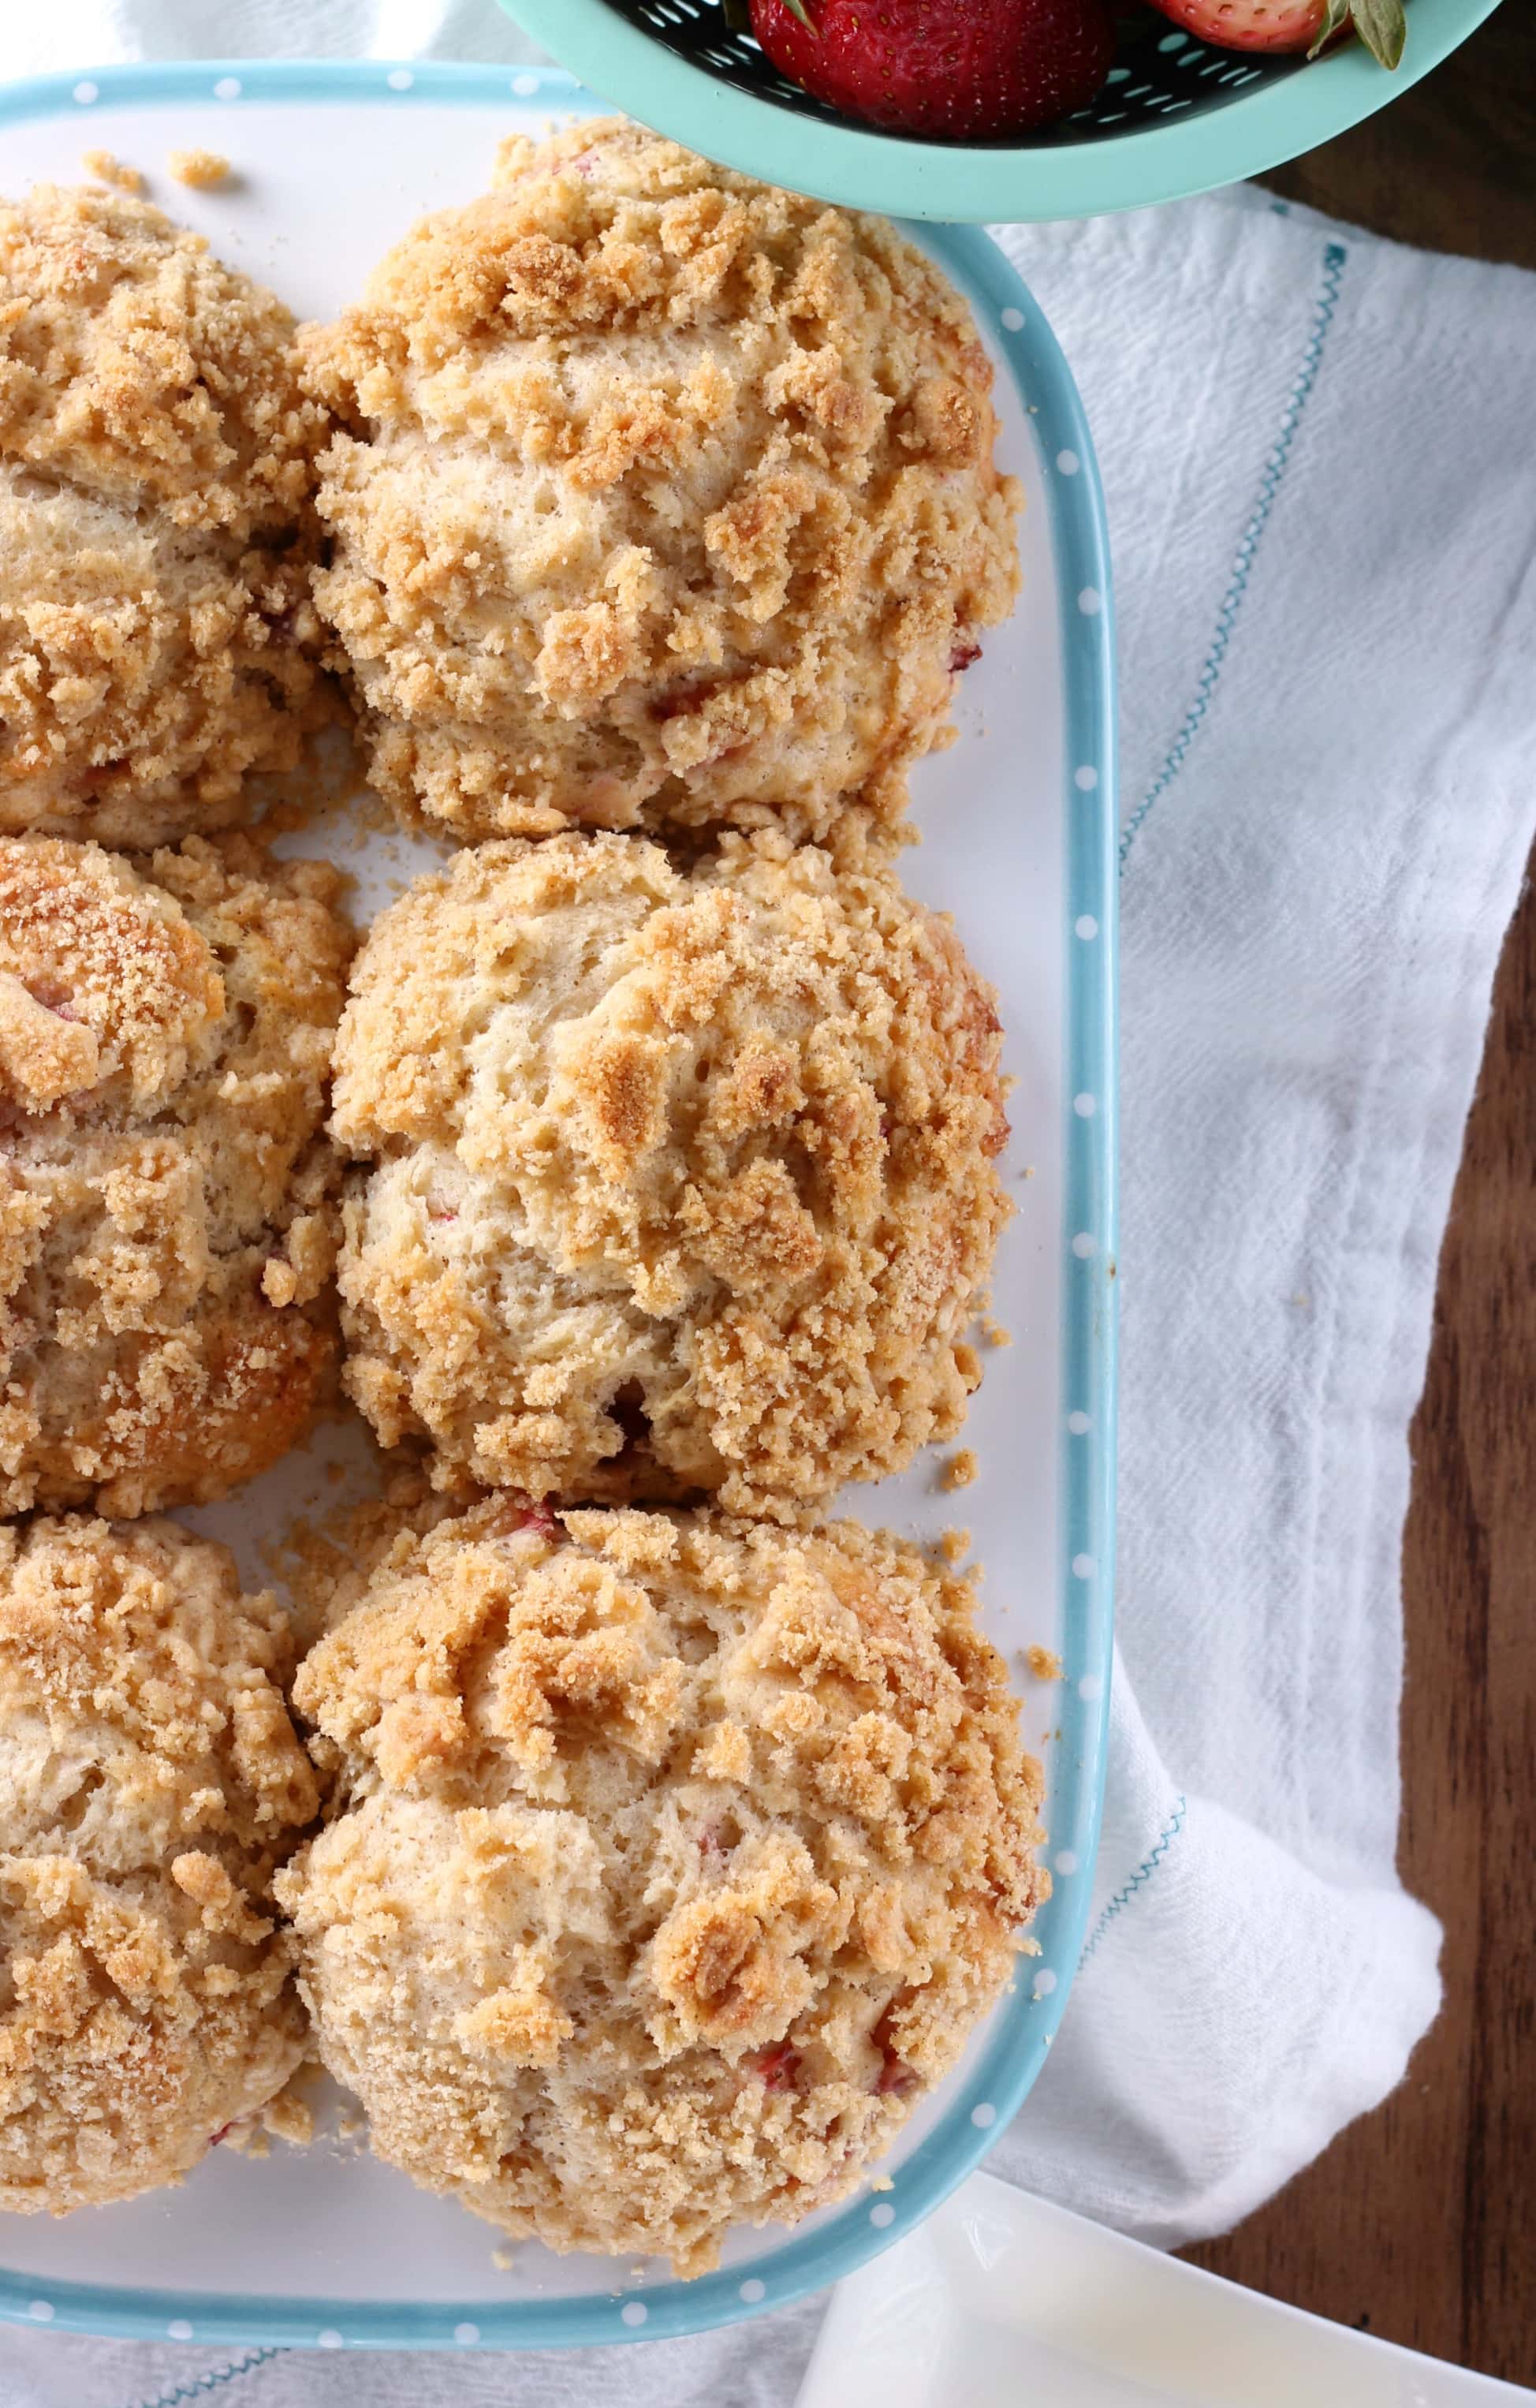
(109, 170)
(677, 1179)
(166, 1194)
(149, 1785)
(671, 1860)
(155, 532)
(200, 170)
(666, 498)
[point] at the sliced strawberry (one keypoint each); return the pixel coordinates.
(953, 70)
(776, 2068)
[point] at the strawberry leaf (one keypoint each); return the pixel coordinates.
(1381, 27)
(1334, 19)
(797, 10)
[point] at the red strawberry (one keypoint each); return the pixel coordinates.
(955, 70)
(1307, 25)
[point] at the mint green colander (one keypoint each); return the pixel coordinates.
(1174, 117)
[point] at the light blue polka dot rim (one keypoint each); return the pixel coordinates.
(982, 2100)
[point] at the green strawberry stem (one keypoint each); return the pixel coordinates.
(797, 8)
(1379, 24)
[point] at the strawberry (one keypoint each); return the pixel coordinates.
(953, 70)
(1307, 25)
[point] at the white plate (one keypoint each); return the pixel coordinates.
(333, 164)
(1002, 2300)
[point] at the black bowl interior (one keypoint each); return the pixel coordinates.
(1159, 72)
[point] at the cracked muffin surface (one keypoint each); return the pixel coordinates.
(156, 453)
(167, 1222)
(665, 499)
(151, 1784)
(671, 1859)
(675, 1181)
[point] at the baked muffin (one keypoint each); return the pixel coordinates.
(166, 1193)
(155, 458)
(678, 1181)
(149, 1784)
(665, 499)
(673, 1860)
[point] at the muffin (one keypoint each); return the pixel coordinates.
(665, 499)
(155, 459)
(673, 1859)
(149, 1785)
(678, 1181)
(167, 1223)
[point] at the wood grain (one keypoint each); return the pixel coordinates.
(1419, 2223)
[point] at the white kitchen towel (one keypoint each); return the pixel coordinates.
(1322, 494)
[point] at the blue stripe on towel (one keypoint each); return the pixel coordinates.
(1139, 1878)
(1335, 260)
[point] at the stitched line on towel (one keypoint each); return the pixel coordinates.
(1335, 260)
(1139, 1878)
(207, 2383)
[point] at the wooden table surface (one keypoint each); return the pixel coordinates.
(1419, 2223)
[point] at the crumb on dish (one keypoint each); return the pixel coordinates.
(961, 1469)
(200, 170)
(108, 170)
(1043, 1663)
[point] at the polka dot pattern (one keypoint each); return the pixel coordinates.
(753, 2290)
(882, 2214)
(634, 2312)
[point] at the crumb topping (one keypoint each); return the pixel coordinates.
(155, 458)
(671, 1859)
(664, 498)
(151, 1783)
(676, 1179)
(166, 1194)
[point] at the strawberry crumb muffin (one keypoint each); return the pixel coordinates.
(149, 1785)
(155, 460)
(673, 1859)
(675, 1181)
(166, 1194)
(665, 499)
